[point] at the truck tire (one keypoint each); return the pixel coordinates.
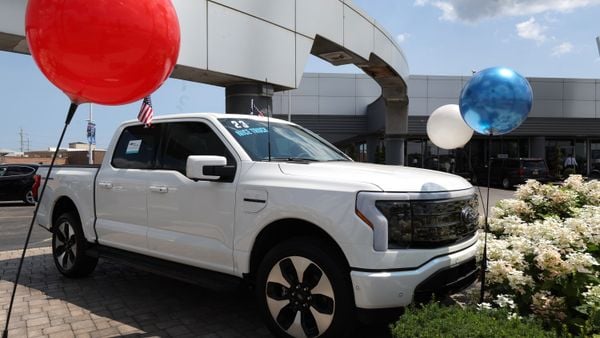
(303, 290)
(68, 247)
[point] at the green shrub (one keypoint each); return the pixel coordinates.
(433, 320)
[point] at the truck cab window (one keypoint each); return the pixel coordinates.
(187, 138)
(136, 148)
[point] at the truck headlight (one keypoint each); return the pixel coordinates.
(398, 215)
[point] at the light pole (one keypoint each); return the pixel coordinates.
(90, 149)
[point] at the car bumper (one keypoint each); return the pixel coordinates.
(440, 276)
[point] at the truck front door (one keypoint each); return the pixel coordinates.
(189, 221)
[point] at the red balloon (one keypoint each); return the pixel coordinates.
(104, 51)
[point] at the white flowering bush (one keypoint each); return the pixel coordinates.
(544, 253)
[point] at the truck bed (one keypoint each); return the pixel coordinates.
(75, 182)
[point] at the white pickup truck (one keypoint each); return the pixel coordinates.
(201, 196)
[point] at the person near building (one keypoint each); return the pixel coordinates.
(570, 162)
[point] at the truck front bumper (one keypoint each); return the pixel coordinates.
(393, 288)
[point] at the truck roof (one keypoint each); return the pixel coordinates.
(211, 116)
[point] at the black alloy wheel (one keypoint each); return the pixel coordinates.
(304, 291)
(68, 247)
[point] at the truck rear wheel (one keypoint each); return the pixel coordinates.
(304, 291)
(68, 247)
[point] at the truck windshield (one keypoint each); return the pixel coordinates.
(288, 142)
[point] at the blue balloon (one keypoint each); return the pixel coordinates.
(495, 101)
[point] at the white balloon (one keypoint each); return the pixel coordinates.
(447, 129)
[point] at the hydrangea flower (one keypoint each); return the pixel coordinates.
(544, 251)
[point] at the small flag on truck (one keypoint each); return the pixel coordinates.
(146, 111)
(254, 109)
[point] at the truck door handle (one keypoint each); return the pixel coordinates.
(160, 189)
(105, 185)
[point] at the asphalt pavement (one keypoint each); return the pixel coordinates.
(15, 218)
(495, 196)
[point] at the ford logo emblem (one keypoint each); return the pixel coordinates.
(469, 215)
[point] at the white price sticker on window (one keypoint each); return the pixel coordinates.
(133, 147)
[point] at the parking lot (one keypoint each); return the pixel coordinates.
(14, 222)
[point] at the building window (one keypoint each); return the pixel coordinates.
(581, 156)
(566, 156)
(362, 152)
(380, 152)
(414, 153)
(595, 159)
(439, 159)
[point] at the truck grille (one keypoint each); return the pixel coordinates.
(436, 223)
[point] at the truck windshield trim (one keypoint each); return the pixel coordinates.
(289, 143)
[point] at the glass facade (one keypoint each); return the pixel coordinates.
(567, 156)
(595, 159)
(414, 153)
(563, 156)
(422, 153)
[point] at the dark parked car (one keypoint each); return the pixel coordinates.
(509, 172)
(16, 182)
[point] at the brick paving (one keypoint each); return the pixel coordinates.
(118, 301)
(121, 301)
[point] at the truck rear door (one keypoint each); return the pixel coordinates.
(121, 188)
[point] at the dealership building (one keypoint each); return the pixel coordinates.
(377, 116)
(347, 110)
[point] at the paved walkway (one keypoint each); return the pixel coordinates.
(120, 301)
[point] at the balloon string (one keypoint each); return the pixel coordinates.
(70, 113)
(486, 227)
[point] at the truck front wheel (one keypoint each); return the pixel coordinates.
(304, 291)
(68, 247)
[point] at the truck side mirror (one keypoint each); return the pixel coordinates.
(204, 167)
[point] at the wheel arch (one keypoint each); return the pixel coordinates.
(63, 204)
(285, 229)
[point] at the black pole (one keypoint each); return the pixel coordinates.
(70, 113)
(486, 227)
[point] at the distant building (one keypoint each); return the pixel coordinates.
(76, 154)
(347, 110)
(80, 145)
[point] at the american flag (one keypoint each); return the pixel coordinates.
(253, 109)
(146, 111)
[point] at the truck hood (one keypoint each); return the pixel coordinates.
(389, 178)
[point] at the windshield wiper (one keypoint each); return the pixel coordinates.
(292, 159)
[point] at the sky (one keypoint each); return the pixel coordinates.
(537, 38)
